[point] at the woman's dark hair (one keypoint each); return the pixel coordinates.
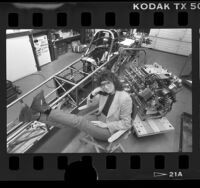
(107, 75)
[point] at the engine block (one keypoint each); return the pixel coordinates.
(154, 89)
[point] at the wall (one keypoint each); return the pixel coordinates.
(177, 41)
(20, 60)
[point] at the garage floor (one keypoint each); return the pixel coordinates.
(67, 140)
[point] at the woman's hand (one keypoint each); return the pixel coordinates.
(100, 124)
(96, 91)
(91, 96)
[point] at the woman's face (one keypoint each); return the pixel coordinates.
(108, 86)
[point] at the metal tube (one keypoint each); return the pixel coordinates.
(61, 85)
(27, 139)
(14, 128)
(79, 70)
(53, 91)
(64, 80)
(18, 131)
(79, 83)
(95, 35)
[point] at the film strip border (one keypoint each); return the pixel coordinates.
(86, 19)
(159, 162)
(113, 167)
(103, 15)
(128, 166)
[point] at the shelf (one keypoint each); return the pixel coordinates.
(68, 39)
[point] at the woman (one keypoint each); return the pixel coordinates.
(114, 110)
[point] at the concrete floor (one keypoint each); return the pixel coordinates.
(67, 140)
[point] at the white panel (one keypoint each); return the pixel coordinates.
(184, 48)
(187, 36)
(166, 45)
(20, 60)
(176, 41)
(176, 34)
